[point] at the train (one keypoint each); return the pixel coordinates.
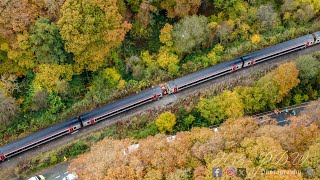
(155, 93)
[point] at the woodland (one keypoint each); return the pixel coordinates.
(61, 58)
(238, 143)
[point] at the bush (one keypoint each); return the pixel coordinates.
(166, 122)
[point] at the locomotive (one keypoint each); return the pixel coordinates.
(155, 93)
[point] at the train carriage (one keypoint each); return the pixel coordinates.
(203, 75)
(278, 50)
(38, 138)
(117, 107)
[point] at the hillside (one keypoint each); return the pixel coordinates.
(238, 143)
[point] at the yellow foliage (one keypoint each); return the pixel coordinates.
(166, 35)
(255, 39)
(50, 76)
(147, 58)
(165, 122)
(166, 57)
(121, 84)
(213, 54)
(90, 29)
(112, 73)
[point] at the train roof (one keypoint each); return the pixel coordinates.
(295, 42)
(38, 135)
(204, 72)
(117, 104)
(317, 34)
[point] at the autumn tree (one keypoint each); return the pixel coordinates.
(299, 11)
(255, 39)
(144, 15)
(165, 122)
(312, 159)
(267, 18)
(189, 33)
(46, 42)
(166, 35)
(23, 55)
(52, 77)
(265, 152)
(286, 76)
(166, 57)
(18, 15)
(8, 108)
(90, 29)
(180, 8)
(225, 105)
(234, 131)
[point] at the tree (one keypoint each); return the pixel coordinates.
(299, 11)
(255, 39)
(252, 99)
(265, 152)
(144, 15)
(308, 67)
(165, 122)
(190, 32)
(22, 55)
(46, 42)
(286, 76)
(166, 35)
(180, 8)
(266, 17)
(224, 4)
(166, 57)
(225, 105)
(52, 77)
(234, 131)
(214, 54)
(18, 15)
(134, 4)
(268, 89)
(312, 159)
(8, 108)
(90, 29)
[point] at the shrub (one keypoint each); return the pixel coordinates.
(165, 122)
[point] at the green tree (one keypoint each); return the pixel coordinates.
(189, 33)
(223, 4)
(225, 105)
(165, 122)
(134, 5)
(90, 29)
(309, 67)
(46, 42)
(251, 97)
